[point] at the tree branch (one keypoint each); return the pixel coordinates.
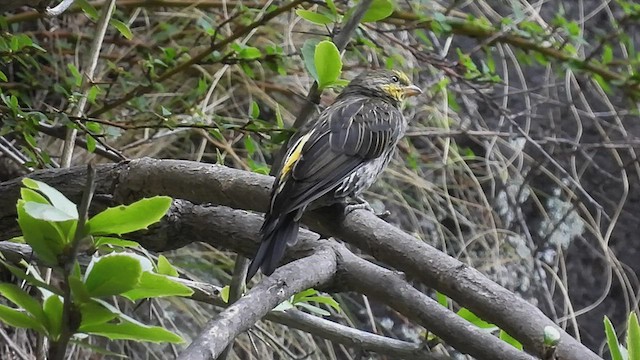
(220, 185)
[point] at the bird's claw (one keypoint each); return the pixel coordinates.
(358, 206)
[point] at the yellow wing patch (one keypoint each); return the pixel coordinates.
(293, 155)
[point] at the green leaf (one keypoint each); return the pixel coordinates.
(379, 9)
(314, 17)
(474, 319)
(255, 110)
(510, 340)
(313, 309)
(3, 77)
(327, 62)
(122, 28)
(250, 145)
(128, 218)
(19, 319)
(442, 299)
(77, 77)
(131, 331)
(88, 9)
(106, 240)
(78, 290)
(633, 337)
(607, 54)
(308, 51)
(46, 212)
(53, 309)
(612, 340)
(224, 294)
(57, 199)
(25, 301)
(100, 279)
(44, 238)
(93, 313)
(249, 53)
(165, 267)
(332, 6)
(155, 285)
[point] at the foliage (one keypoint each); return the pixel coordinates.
(52, 226)
(617, 350)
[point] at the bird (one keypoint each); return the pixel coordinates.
(340, 154)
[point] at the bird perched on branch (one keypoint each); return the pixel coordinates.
(334, 159)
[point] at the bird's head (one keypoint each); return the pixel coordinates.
(392, 84)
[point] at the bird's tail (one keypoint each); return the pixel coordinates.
(276, 233)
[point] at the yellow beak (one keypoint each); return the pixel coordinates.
(411, 90)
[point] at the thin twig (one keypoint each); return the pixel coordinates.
(94, 54)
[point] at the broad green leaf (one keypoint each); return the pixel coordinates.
(327, 62)
(165, 267)
(128, 218)
(474, 319)
(93, 313)
(46, 212)
(25, 301)
(45, 239)
(105, 240)
(53, 310)
(633, 337)
(314, 17)
(19, 319)
(57, 199)
(112, 275)
(612, 340)
(29, 195)
(3, 77)
(379, 9)
(510, 340)
(122, 28)
(130, 331)
(154, 285)
(308, 52)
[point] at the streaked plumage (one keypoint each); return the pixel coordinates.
(334, 159)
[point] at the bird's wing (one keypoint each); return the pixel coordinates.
(346, 136)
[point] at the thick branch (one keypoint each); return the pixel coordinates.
(240, 189)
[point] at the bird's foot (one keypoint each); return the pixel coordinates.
(362, 204)
(358, 206)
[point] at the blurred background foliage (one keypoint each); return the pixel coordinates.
(520, 159)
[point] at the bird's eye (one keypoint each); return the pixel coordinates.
(395, 79)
